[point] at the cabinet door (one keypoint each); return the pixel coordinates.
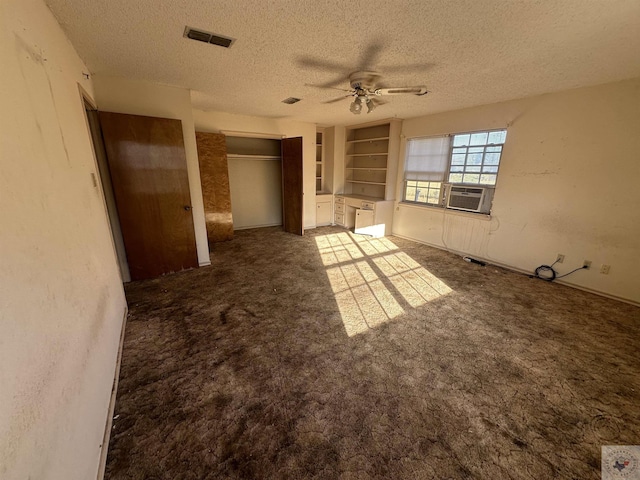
(365, 224)
(364, 218)
(323, 213)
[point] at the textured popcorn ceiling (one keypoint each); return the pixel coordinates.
(466, 52)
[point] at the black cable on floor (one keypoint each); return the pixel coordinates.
(552, 274)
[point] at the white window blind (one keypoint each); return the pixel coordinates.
(427, 159)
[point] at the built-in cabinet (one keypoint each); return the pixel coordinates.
(371, 159)
(371, 165)
(323, 209)
(364, 214)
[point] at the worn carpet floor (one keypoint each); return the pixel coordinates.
(336, 356)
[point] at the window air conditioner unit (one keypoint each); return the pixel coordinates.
(470, 199)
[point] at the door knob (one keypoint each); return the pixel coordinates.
(187, 208)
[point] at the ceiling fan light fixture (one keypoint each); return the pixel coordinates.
(370, 105)
(356, 106)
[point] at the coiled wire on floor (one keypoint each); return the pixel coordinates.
(548, 274)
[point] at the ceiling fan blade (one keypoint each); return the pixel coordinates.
(378, 101)
(402, 91)
(334, 100)
(325, 87)
(321, 64)
(407, 68)
(370, 55)
(334, 82)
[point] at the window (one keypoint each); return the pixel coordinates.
(423, 192)
(475, 157)
(426, 162)
(465, 158)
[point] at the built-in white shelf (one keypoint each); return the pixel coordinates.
(371, 140)
(372, 154)
(365, 168)
(254, 157)
(366, 183)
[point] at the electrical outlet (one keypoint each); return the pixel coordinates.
(587, 264)
(560, 258)
(604, 269)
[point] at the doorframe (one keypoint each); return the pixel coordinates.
(117, 242)
(87, 101)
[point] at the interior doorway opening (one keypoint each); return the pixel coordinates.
(106, 186)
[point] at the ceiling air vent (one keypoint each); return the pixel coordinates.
(208, 37)
(291, 100)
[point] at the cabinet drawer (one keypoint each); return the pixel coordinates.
(340, 200)
(339, 207)
(368, 206)
(340, 218)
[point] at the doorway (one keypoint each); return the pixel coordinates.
(100, 155)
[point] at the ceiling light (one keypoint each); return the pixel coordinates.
(370, 105)
(356, 106)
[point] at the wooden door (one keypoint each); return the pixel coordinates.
(148, 170)
(292, 193)
(214, 176)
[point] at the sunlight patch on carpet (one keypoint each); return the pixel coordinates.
(372, 277)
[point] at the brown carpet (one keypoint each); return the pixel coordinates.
(337, 356)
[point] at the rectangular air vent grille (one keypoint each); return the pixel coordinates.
(471, 202)
(291, 100)
(208, 37)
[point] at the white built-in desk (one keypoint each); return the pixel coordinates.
(366, 215)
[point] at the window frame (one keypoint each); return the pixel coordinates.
(447, 173)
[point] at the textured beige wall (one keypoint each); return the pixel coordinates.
(217, 121)
(61, 297)
(568, 183)
(137, 97)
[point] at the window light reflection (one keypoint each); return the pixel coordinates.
(372, 277)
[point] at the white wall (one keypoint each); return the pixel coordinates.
(256, 192)
(61, 298)
(568, 183)
(137, 97)
(218, 121)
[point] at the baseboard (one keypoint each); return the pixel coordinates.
(519, 270)
(104, 448)
(258, 226)
(204, 264)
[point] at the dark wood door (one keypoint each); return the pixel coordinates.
(148, 170)
(292, 193)
(214, 176)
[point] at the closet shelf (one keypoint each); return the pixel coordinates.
(367, 183)
(373, 154)
(363, 140)
(366, 168)
(253, 157)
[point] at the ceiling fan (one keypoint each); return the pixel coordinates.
(366, 89)
(366, 92)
